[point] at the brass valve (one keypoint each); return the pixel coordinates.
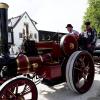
(4, 5)
(35, 65)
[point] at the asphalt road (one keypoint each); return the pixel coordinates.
(62, 92)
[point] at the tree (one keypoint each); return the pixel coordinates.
(93, 14)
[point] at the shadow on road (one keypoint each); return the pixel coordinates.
(62, 92)
(96, 88)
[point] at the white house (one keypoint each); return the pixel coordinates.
(20, 28)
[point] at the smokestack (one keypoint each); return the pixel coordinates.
(4, 28)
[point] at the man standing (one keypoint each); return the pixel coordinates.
(71, 31)
(88, 38)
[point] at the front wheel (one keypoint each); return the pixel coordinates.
(80, 71)
(18, 89)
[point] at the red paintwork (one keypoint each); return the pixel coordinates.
(24, 63)
(40, 59)
(50, 71)
(65, 44)
(8, 93)
(47, 66)
(45, 69)
(52, 47)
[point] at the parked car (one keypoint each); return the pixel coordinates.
(97, 48)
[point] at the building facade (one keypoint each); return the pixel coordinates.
(50, 35)
(23, 27)
(20, 28)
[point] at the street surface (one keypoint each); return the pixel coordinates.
(62, 92)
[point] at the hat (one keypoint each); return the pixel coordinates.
(69, 25)
(87, 23)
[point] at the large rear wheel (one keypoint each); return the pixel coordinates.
(18, 89)
(80, 71)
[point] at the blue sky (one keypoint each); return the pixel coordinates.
(52, 15)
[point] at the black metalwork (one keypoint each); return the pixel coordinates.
(6, 62)
(4, 31)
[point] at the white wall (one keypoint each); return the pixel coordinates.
(19, 29)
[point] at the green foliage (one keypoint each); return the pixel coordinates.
(93, 14)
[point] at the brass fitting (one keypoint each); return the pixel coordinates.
(71, 45)
(4, 5)
(35, 65)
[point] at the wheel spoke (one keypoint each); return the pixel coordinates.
(87, 67)
(84, 76)
(16, 89)
(78, 69)
(26, 90)
(82, 59)
(12, 94)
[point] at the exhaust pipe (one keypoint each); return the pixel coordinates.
(4, 29)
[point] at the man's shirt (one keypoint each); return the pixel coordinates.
(74, 32)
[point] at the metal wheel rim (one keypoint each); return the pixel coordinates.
(75, 76)
(19, 89)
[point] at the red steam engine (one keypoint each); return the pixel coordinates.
(51, 61)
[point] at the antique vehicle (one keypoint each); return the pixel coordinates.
(49, 61)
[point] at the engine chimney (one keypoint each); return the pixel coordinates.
(4, 29)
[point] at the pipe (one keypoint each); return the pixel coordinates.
(4, 28)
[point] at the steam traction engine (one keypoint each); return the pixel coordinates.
(51, 61)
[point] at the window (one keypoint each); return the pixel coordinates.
(31, 35)
(27, 29)
(20, 35)
(43, 37)
(35, 36)
(48, 37)
(25, 16)
(9, 37)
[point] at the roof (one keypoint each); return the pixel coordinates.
(43, 31)
(12, 22)
(53, 36)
